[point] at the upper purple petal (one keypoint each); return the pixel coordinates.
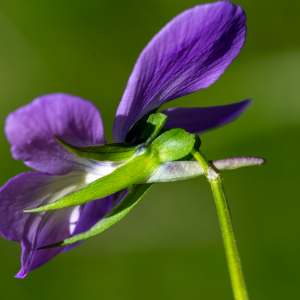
(190, 53)
(30, 190)
(201, 119)
(31, 128)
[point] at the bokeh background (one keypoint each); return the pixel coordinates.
(169, 246)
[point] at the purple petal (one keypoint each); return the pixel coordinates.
(201, 119)
(31, 128)
(190, 53)
(30, 190)
(94, 211)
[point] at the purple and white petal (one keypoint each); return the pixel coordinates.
(30, 190)
(30, 130)
(201, 119)
(92, 212)
(189, 54)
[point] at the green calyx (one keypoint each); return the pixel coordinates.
(151, 128)
(141, 166)
(136, 131)
(142, 161)
(173, 144)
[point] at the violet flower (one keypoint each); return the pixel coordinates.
(189, 54)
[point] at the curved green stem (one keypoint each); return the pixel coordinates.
(233, 259)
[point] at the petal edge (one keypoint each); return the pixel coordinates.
(190, 53)
(199, 120)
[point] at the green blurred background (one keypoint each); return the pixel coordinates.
(169, 246)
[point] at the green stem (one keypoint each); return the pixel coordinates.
(233, 259)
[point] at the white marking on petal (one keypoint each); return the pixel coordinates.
(89, 178)
(75, 215)
(108, 167)
(103, 168)
(64, 185)
(60, 186)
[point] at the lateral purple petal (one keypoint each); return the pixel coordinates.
(31, 128)
(30, 190)
(189, 54)
(201, 119)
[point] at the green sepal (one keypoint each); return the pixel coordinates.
(138, 127)
(108, 152)
(151, 128)
(173, 144)
(134, 196)
(196, 146)
(141, 166)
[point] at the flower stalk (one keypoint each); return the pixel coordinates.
(232, 254)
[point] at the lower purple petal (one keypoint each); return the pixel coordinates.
(44, 230)
(201, 119)
(30, 190)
